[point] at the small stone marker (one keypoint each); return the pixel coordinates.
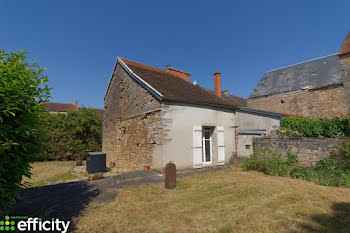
(96, 176)
(170, 176)
(111, 165)
(79, 162)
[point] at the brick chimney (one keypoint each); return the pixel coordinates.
(180, 73)
(344, 58)
(217, 82)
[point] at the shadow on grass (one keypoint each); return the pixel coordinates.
(339, 221)
(64, 201)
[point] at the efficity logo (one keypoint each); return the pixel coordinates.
(24, 223)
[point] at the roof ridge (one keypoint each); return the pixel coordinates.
(142, 65)
(299, 63)
(207, 89)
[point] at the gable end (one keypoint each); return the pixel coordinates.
(139, 80)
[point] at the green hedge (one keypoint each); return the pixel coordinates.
(318, 128)
(72, 135)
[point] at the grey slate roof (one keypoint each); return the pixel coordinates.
(311, 74)
(259, 112)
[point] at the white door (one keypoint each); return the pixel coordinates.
(221, 145)
(197, 147)
(207, 148)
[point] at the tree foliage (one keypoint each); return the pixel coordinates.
(72, 135)
(22, 91)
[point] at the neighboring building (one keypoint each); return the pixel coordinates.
(313, 88)
(153, 116)
(63, 108)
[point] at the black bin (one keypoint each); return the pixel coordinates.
(96, 162)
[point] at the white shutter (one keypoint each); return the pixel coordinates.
(197, 146)
(221, 145)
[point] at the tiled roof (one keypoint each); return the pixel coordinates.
(173, 88)
(313, 74)
(233, 99)
(345, 47)
(230, 98)
(60, 107)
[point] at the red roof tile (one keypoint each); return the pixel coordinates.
(174, 88)
(60, 107)
(345, 47)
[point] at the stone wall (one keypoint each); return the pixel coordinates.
(131, 125)
(327, 102)
(345, 70)
(308, 150)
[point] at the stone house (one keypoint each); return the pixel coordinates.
(153, 116)
(317, 88)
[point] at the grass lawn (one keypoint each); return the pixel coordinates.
(52, 172)
(224, 201)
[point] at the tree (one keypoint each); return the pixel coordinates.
(22, 92)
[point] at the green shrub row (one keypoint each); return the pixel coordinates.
(318, 128)
(332, 171)
(72, 135)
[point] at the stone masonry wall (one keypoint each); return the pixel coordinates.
(308, 150)
(345, 70)
(131, 122)
(326, 102)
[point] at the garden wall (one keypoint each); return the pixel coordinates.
(308, 150)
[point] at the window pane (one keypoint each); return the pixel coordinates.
(207, 150)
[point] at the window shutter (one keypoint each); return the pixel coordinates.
(221, 145)
(197, 147)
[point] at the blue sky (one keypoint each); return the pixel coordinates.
(79, 40)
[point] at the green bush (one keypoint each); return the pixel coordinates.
(332, 171)
(270, 162)
(21, 134)
(72, 135)
(318, 128)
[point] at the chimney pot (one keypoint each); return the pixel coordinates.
(226, 92)
(217, 83)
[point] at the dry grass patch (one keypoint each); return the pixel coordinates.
(224, 201)
(50, 172)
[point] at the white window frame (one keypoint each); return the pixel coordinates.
(206, 163)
